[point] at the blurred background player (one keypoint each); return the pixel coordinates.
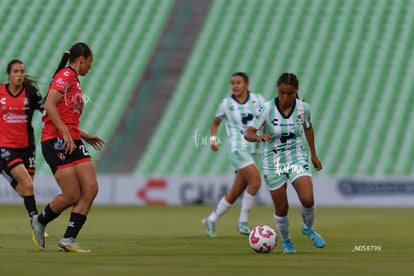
(238, 110)
(285, 119)
(19, 98)
(64, 151)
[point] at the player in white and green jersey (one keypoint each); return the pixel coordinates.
(284, 155)
(286, 119)
(238, 110)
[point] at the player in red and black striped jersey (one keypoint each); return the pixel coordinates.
(64, 151)
(19, 98)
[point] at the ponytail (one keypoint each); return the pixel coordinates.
(63, 61)
(78, 49)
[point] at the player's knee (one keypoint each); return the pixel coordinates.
(91, 192)
(254, 185)
(94, 191)
(25, 186)
(71, 198)
(308, 203)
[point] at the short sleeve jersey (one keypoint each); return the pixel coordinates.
(238, 116)
(70, 106)
(286, 133)
(16, 112)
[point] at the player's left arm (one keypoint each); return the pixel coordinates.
(96, 142)
(310, 137)
(36, 99)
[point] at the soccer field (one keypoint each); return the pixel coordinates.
(165, 240)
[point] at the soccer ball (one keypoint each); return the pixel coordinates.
(263, 239)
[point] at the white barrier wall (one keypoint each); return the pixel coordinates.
(180, 190)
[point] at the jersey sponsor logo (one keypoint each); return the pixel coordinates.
(11, 118)
(255, 104)
(77, 108)
(61, 84)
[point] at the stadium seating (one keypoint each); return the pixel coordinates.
(354, 62)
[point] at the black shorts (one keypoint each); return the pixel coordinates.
(54, 153)
(11, 157)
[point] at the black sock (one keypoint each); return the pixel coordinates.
(47, 215)
(30, 204)
(75, 224)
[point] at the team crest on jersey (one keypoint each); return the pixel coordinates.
(300, 121)
(26, 101)
(61, 156)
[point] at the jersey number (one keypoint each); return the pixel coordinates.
(84, 151)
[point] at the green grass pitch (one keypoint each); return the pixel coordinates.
(166, 240)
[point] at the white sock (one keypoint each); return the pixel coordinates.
(282, 224)
(222, 207)
(246, 205)
(308, 216)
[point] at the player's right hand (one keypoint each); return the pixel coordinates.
(68, 143)
(263, 138)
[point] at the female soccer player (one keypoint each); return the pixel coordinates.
(238, 110)
(285, 119)
(64, 150)
(19, 98)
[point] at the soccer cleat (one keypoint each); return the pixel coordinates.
(38, 236)
(316, 239)
(70, 245)
(287, 246)
(243, 228)
(210, 227)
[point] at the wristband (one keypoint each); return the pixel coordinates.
(213, 139)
